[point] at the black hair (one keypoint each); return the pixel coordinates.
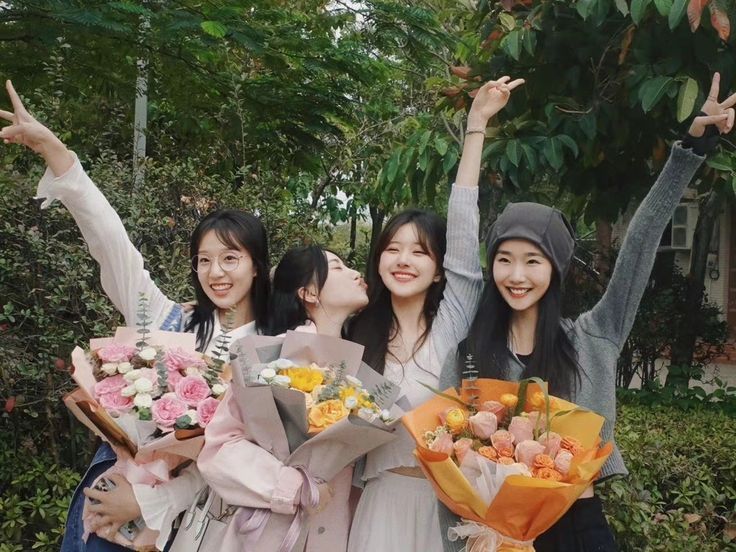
(554, 358)
(376, 325)
(238, 230)
(299, 267)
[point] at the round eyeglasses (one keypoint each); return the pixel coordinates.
(227, 261)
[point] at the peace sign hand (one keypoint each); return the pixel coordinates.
(24, 129)
(491, 98)
(721, 115)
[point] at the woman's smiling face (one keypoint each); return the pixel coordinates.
(225, 288)
(406, 267)
(522, 273)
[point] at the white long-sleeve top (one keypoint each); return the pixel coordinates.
(124, 278)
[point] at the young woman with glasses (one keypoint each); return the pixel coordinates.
(229, 272)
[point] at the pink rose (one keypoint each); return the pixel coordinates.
(112, 385)
(462, 447)
(562, 461)
(192, 390)
(522, 429)
(442, 444)
(177, 358)
(173, 377)
(527, 450)
(538, 420)
(115, 403)
(483, 424)
(503, 441)
(496, 407)
(551, 442)
(206, 410)
(166, 410)
(116, 353)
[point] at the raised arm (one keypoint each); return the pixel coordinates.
(122, 271)
(613, 316)
(462, 259)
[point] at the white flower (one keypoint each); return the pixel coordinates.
(143, 400)
(282, 363)
(386, 415)
(192, 416)
(283, 381)
(124, 367)
(133, 375)
(110, 368)
(219, 389)
(143, 385)
(128, 391)
(192, 371)
(352, 380)
(351, 402)
(268, 374)
(149, 353)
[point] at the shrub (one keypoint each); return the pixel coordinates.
(681, 491)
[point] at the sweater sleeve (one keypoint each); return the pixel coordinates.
(462, 271)
(121, 265)
(240, 471)
(613, 316)
(161, 504)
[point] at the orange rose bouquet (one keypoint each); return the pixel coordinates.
(507, 458)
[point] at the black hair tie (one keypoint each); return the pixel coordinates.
(703, 145)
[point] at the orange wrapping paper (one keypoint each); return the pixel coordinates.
(525, 507)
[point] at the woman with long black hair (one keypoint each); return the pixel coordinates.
(518, 330)
(229, 272)
(424, 281)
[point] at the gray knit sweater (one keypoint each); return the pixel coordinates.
(599, 334)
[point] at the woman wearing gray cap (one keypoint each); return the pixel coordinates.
(519, 332)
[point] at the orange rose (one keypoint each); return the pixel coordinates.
(543, 461)
(505, 460)
(506, 452)
(456, 420)
(326, 413)
(509, 400)
(488, 452)
(549, 474)
(572, 444)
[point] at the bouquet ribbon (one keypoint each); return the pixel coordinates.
(482, 538)
(148, 473)
(252, 521)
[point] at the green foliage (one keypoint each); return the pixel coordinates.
(35, 496)
(681, 492)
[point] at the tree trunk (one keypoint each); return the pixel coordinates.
(377, 217)
(353, 236)
(684, 345)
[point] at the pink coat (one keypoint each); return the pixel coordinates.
(244, 474)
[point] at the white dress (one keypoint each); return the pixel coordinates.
(399, 512)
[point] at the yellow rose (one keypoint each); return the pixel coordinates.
(326, 413)
(509, 400)
(537, 402)
(456, 420)
(304, 379)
